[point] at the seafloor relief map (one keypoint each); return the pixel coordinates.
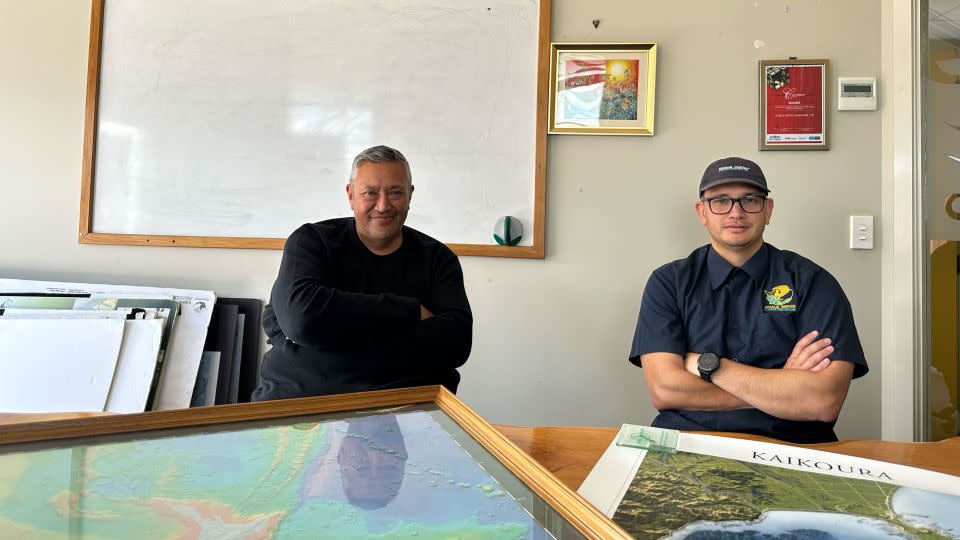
(687, 495)
(384, 476)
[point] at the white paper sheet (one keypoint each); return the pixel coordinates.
(57, 365)
(607, 483)
(135, 366)
(186, 342)
(71, 314)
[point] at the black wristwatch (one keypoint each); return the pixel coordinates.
(707, 364)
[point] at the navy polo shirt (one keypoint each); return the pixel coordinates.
(754, 314)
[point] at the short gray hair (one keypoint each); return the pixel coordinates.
(379, 154)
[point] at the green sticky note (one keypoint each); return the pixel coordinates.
(648, 438)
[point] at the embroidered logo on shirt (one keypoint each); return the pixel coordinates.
(779, 298)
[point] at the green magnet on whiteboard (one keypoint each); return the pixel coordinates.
(508, 231)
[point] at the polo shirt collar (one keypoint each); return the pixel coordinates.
(719, 269)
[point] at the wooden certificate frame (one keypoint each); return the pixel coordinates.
(96, 434)
(794, 97)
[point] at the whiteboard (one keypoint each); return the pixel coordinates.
(240, 118)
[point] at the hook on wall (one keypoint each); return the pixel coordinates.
(596, 23)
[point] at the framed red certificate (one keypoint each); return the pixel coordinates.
(793, 104)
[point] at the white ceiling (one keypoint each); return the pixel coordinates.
(945, 19)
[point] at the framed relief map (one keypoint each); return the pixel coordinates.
(398, 463)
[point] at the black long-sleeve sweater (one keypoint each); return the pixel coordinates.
(343, 319)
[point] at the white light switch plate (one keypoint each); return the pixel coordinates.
(861, 232)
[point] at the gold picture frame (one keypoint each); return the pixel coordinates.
(794, 98)
(551, 504)
(602, 89)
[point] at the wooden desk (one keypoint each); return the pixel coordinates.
(26, 418)
(571, 452)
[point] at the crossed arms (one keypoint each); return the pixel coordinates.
(434, 332)
(810, 386)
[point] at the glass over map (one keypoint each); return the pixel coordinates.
(412, 472)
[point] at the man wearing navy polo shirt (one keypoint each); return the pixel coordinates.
(741, 336)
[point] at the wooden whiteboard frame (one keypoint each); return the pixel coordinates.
(87, 184)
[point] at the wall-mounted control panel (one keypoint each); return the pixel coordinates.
(856, 93)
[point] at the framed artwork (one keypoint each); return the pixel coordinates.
(794, 100)
(602, 89)
(396, 463)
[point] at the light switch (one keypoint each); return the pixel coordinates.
(861, 232)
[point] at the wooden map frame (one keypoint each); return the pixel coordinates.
(577, 511)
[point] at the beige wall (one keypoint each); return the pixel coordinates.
(551, 336)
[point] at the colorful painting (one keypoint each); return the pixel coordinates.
(620, 90)
(384, 476)
(600, 89)
(608, 91)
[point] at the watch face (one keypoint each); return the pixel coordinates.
(708, 362)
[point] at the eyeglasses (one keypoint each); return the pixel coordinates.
(750, 204)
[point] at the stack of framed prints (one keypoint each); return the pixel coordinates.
(395, 463)
(124, 349)
(89, 353)
(145, 342)
(230, 363)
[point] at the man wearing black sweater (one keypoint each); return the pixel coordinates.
(365, 303)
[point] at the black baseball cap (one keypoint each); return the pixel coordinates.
(733, 169)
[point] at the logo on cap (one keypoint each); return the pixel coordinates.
(733, 169)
